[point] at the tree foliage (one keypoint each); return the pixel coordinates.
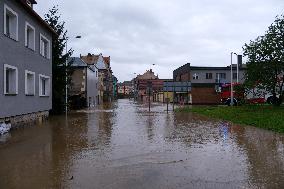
(59, 57)
(265, 59)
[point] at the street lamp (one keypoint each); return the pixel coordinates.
(66, 75)
(232, 90)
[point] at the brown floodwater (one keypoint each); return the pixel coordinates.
(122, 145)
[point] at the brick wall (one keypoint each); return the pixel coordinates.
(204, 95)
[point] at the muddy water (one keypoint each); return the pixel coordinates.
(123, 146)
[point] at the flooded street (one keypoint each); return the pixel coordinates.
(124, 146)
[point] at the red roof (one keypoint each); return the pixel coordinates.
(107, 60)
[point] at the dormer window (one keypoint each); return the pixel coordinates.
(10, 23)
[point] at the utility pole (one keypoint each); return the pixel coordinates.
(66, 76)
(167, 98)
(149, 88)
(173, 96)
(232, 89)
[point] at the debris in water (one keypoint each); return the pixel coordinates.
(5, 127)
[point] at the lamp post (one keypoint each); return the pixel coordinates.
(232, 90)
(134, 87)
(66, 76)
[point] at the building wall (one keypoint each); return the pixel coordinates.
(202, 76)
(204, 95)
(92, 86)
(182, 73)
(15, 53)
(78, 81)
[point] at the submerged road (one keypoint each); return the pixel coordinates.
(122, 146)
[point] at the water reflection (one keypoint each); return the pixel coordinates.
(122, 145)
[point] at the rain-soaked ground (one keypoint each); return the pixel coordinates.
(122, 146)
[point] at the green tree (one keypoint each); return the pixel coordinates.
(265, 60)
(59, 57)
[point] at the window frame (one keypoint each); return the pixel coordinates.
(7, 66)
(221, 74)
(40, 46)
(235, 75)
(26, 82)
(195, 76)
(27, 24)
(40, 85)
(208, 75)
(6, 7)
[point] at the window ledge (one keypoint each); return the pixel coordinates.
(11, 38)
(11, 94)
(30, 95)
(30, 48)
(44, 57)
(44, 96)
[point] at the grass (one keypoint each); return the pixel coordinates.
(262, 116)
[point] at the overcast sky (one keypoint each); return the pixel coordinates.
(168, 33)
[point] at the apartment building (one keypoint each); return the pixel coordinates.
(25, 62)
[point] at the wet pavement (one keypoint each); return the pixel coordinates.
(122, 145)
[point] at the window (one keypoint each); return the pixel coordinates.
(30, 36)
(29, 83)
(10, 23)
(10, 80)
(221, 75)
(44, 85)
(195, 76)
(209, 76)
(44, 46)
(234, 75)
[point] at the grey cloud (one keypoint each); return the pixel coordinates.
(168, 33)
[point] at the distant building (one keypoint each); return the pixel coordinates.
(25, 62)
(205, 82)
(125, 89)
(148, 83)
(105, 88)
(115, 87)
(84, 84)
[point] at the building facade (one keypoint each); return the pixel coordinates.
(105, 77)
(125, 89)
(115, 87)
(84, 84)
(148, 85)
(205, 82)
(25, 62)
